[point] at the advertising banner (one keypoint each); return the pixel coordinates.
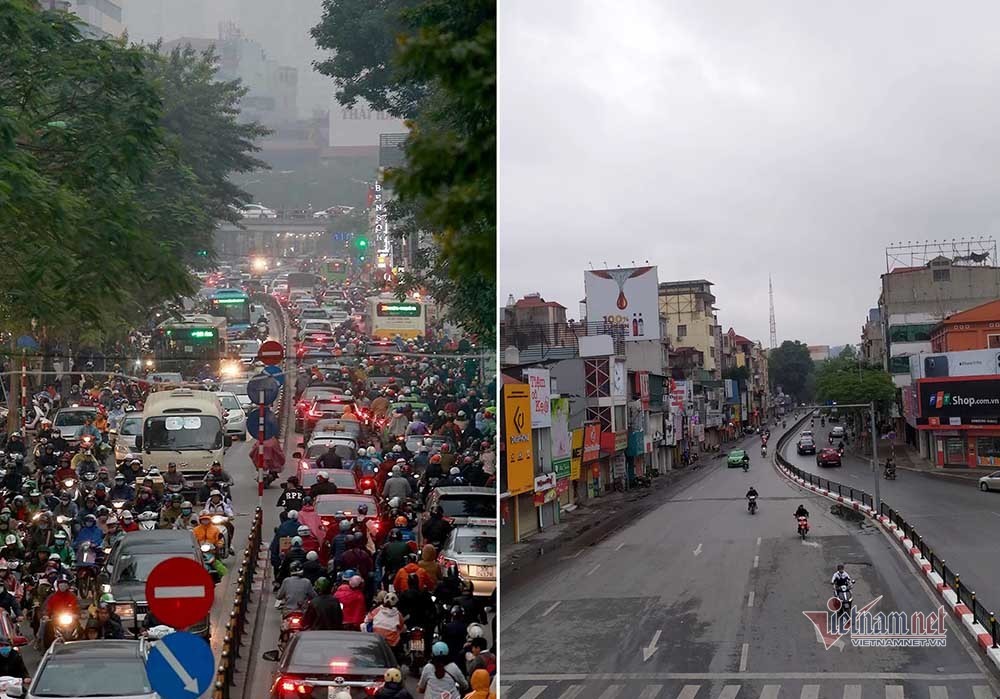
(627, 299)
(591, 442)
(642, 388)
(576, 460)
(969, 363)
(959, 401)
(680, 395)
(360, 126)
(541, 409)
(562, 446)
(517, 433)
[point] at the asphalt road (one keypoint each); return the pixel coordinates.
(700, 599)
(957, 520)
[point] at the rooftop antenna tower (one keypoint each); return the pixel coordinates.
(770, 296)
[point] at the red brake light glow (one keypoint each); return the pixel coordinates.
(339, 665)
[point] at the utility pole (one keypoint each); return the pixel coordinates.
(770, 297)
(878, 499)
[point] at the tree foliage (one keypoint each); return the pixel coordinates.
(433, 62)
(843, 380)
(104, 188)
(791, 367)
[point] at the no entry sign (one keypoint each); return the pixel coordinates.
(180, 592)
(271, 352)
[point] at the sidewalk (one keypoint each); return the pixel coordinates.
(908, 459)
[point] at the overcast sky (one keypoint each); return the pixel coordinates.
(726, 141)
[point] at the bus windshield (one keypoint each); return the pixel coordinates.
(183, 433)
(236, 309)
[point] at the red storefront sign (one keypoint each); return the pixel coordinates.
(591, 442)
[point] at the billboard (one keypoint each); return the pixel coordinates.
(929, 365)
(562, 444)
(517, 436)
(541, 410)
(591, 442)
(360, 126)
(958, 402)
(626, 298)
(576, 460)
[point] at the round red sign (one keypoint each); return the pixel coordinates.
(179, 592)
(271, 352)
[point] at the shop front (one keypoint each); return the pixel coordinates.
(591, 467)
(962, 415)
(518, 515)
(545, 499)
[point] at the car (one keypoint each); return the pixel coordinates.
(990, 482)
(324, 408)
(238, 389)
(462, 504)
(236, 418)
(346, 480)
(806, 433)
(432, 442)
(105, 668)
(348, 428)
(806, 445)
(324, 327)
(472, 549)
(737, 457)
(838, 431)
(328, 661)
(257, 211)
(69, 421)
(247, 350)
(130, 428)
(828, 456)
(335, 507)
(834, 416)
(306, 399)
(131, 560)
(336, 210)
(314, 314)
(343, 445)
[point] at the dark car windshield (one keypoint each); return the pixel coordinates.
(329, 508)
(339, 657)
(136, 567)
(72, 418)
(131, 427)
(469, 506)
(183, 432)
(76, 677)
(467, 542)
(341, 450)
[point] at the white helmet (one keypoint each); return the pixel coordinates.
(293, 514)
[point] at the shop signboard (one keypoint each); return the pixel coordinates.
(910, 408)
(591, 442)
(576, 459)
(624, 299)
(541, 410)
(544, 482)
(517, 428)
(562, 447)
(618, 466)
(971, 402)
(927, 365)
(642, 388)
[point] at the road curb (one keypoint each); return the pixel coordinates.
(976, 632)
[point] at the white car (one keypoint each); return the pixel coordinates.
(316, 326)
(247, 349)
(990, 482)
(236, 419)
(333, 211)
(257, 211)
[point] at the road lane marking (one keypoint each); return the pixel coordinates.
(938, 691)
(750, 598)
(756, 561)
(617, 548)
(506, 688)
(691, 690)
(575, 689)
(534, 692)
(758, 541)
(612, 691)
(981, 691)
(697, 551)
(554, 605)
(852, 691)
(743, 657)
(593, 570)
(894, 691)
(809, 691)
(770, 691)
(814, 544)
(651, 691)
(729, 691)
(648, 651)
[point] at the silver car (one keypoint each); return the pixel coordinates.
(990, 482)
(105, 668)
(473, 548)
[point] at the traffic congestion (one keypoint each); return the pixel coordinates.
(380, 488)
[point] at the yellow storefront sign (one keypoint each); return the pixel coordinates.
(517, 426)
(576, 460)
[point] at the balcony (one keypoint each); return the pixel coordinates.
(551, 341)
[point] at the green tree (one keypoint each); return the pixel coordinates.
(433, 62)
(791, 367)
(844, 380)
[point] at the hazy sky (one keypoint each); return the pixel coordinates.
(729, 140)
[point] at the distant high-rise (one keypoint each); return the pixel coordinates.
(101, 18)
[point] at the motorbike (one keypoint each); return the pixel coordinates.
(752, 504)
(65, 626)
(414, 653)
(845, 596)
(70, 486)
(222, 523)
(87, 570)
(890, 474)
(803, 526)
(763, 451)
(291, 624)
(746, 465)
(148, 521)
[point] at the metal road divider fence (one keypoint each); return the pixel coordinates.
(236, 627)
(952, 580)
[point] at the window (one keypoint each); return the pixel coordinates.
(911, 333)
(620, 418)
(711, 330)
(711, 352)
(682, 331)
(993, 341)
(899, 365)
(942, 275)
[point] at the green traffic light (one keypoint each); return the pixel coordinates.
(362, 243)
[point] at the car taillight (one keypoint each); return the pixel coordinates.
(367, 483)
(291, 688)
(372, 689)
(304, 464)
(295, 621)
(449, 563)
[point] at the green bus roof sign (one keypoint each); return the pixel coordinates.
(398, 310)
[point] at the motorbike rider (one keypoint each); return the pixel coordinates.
(9, 602)
(89, 532)
(386, 620)
(752, 493)
(57, 441)
(330, 460)
(441, 676)
(121, 490)
(397, 485)
(392, 557)
(841, 577)
(208, 533)
(174, 477)
(393, 687)
(132, 471)
(322, 486)
(47, 457)
(323, 612)
(216, 505)
(292, 495)
(286, 529)
(296, 590)
(108, 626)
(436, 529)
(312, 568)
(145, 502)
(61, 546)
(88, 429)
(351, 596)
(12, 663)
(890, 467)
(417, 605)
(221, 476)
(62, 601)
(15, 444)
(802, 512)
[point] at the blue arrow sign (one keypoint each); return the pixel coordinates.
(262, 383)
(180, 666)
(270, 424)
(276, 373)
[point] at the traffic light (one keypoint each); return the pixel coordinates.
(202, 253)
(361, 243)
